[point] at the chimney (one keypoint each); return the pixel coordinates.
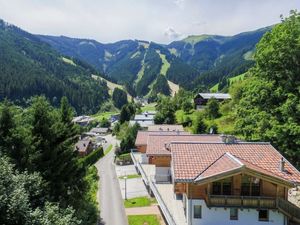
(84, 145)
(167, 146)
(223, 137)
(177, 132)
(228, 139)
(282, 164)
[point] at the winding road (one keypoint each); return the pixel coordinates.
(109, 194)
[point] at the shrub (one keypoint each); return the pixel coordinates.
(92, 157)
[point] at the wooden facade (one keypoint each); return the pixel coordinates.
(266, 189)
(141, 148)
(160, 161)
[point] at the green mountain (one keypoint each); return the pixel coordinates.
(196, 61)
(216, 56)
(31, 67)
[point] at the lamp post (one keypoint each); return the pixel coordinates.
(125, 178)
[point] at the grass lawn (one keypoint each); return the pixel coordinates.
(149, 107)
(231, 80)
(130, 176)
(139, 202)
(125, 156)
(99, 116)
(181, 115)
(109, 148)
(143, 220)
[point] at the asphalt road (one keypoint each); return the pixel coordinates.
(109, 194)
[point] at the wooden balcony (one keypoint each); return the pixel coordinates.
(241, 201)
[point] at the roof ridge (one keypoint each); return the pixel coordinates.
(234, 158)
(184, 134)
(209, 166)
(221, 142)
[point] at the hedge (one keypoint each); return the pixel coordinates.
(92, 157)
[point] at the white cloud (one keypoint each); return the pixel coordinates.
(112, 20)
(172, 34)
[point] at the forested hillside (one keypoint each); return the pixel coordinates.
(268, 102)
(265, 104)
(194, 62)
(31, 67)
(43, 181)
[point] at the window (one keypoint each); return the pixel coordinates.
(234, 214)
(263, 215)
(217, 188)
(255, 187)
(222, 187)
(227, 186)
(250, 186)
(197, 212)
(245, 189)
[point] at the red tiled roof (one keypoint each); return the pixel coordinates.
(225, 163)
(190, 160)
(165, 127)
(142, 136)
(156, 144)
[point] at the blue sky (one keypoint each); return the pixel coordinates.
(156, 20)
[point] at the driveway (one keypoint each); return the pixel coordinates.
(135, 187)
(109, 194)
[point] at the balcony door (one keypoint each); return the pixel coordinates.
(250, 186)
(222, 187)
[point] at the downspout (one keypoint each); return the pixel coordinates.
(190, 212)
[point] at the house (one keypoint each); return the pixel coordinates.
(82, 120)
(84, 147)
(233, 183)
(114, 118)
(99, 130)
(144, 120)
(159, 153)
(166, 127)
(201, 99)
(142, 138)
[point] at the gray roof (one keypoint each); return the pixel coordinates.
(82, 145)
(99, 130)
(142, 123)
(81, 119)
(144, 117)
(215, 95)
(165, 127)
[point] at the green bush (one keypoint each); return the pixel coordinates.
(93, 157)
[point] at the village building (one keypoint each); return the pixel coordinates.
(142, 136)
(82, 120)
(233, 183)
(100, 130)
(84, 147)
(144, 120)
(216, 179)
(201, 99)
(166, 127)
(158, 151)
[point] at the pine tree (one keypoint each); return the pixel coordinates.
(54, 136)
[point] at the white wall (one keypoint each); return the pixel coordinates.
(221, 216)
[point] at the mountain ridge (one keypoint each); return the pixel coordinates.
(193, 61)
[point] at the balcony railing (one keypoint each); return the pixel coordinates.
(289, 209)
(241, 201)
(286, 207)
